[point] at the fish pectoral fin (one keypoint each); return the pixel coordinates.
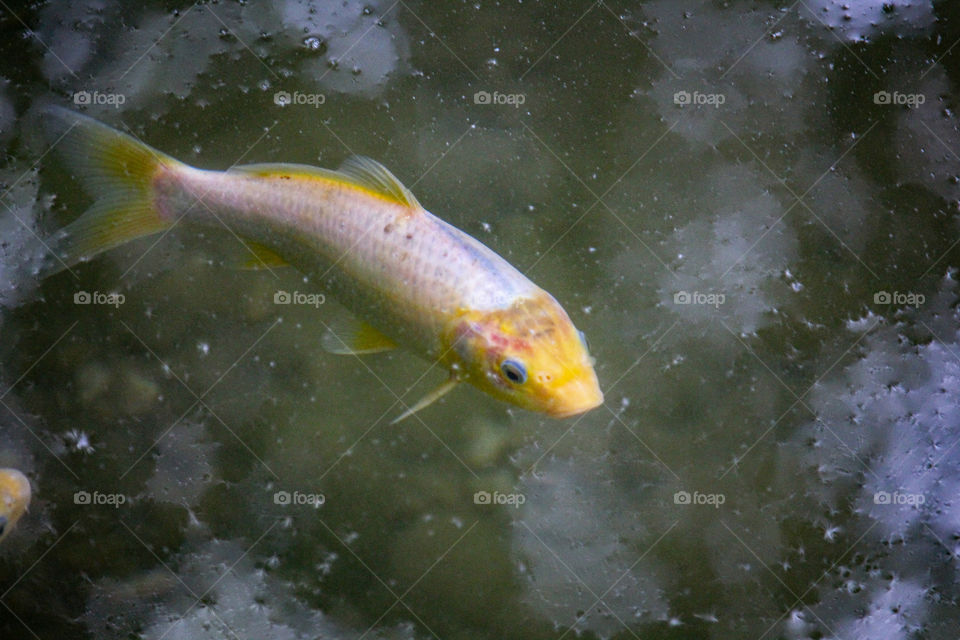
(427, 400)
(370, 174)
(258, 256)
(355, 338)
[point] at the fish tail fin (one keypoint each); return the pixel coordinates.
(118, 171)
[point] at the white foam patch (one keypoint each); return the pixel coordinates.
(737, 253)
(217, 593)
(167, 53)
(573, 547)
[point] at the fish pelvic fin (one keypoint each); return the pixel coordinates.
(443, 389)
(118, 171)
(259, 257)
(355, 338)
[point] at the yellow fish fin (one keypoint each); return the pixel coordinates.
(427, 400)
(118, 171)
(355, 338)
(358, 171)
(372, 175)
(259, 256)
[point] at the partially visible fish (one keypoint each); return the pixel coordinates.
(414, 280)
(14, 499)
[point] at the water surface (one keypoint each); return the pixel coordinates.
(749, 207)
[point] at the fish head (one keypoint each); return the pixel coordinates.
(528, 354)
(14, 498)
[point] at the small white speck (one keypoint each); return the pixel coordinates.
(79, 441)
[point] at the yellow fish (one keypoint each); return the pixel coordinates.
(414, 280)
(14, 499)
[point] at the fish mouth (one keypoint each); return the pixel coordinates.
(575, 398)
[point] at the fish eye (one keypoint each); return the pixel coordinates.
(513, 371)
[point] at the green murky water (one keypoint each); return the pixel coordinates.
(749, 207)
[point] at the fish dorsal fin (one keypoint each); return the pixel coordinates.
(354, 337)
(359, 171)
(257, 256)
(370, 174)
